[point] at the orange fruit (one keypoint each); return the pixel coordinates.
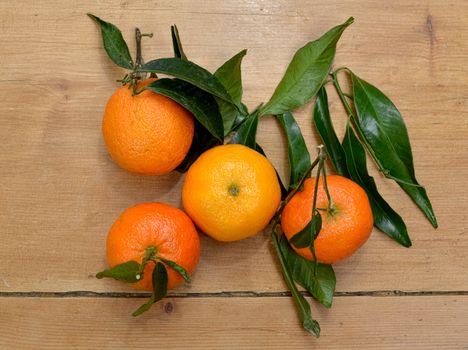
(231, 192)
(166, 228)
(344, 231)
(149, 133)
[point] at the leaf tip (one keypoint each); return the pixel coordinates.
(312, 326)
(407, 243)
(93, 17)
(434, 221)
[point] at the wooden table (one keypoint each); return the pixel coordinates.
(60, 192)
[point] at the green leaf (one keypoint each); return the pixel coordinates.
(309, 324)
(384, 133)
(202, 105)
(160, 280)
(177, 268)
(177, 44)
(321, 286)
(189, 72)
(307, 235)
(244, 110)
(284, 192)
(247, 132)
(324, 126)
(126, 272)
(303, 307)
(320, 283)
(241, 116)
(202, 141)
(229, 74)
(306, 73)
(114, 43)
(230, 115)
(385, 218)
(298, 155)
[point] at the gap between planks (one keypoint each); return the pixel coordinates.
(236, 294)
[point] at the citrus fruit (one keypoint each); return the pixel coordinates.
(169, 230)
(231, 192)
(343, 231)
(148, 133)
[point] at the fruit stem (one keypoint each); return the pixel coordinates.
(150, 253)
(331, 204)
(136, 75)
(321, 156)
(139, 57)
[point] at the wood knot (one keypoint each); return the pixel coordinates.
(168, 308)
(429, 27)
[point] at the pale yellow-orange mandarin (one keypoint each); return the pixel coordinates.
(231, 192)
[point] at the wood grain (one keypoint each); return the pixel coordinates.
(233, 323)
(60, 192)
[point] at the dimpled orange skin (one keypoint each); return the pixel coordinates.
(149, 133)
(167, 228)
(341, 234)
(209, 193)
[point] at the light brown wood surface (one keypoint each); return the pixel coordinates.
(60, 192)
(251, 323)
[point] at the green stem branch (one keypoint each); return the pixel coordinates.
(139, 58)
(339, 69)
(331, 204)
(294, 191)
(302, 305)
(314, 201)
(340, 92)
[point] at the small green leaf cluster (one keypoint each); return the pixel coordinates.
(132, 272)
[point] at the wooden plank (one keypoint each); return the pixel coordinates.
(233, 323)
(60, 192)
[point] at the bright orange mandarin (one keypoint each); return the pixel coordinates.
(149, 133)
(231, 192)
(343, 232)
(166, 228)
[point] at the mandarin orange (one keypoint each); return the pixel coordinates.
(148, 133)
(231, 192)
(169, 230)
(343, 231)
